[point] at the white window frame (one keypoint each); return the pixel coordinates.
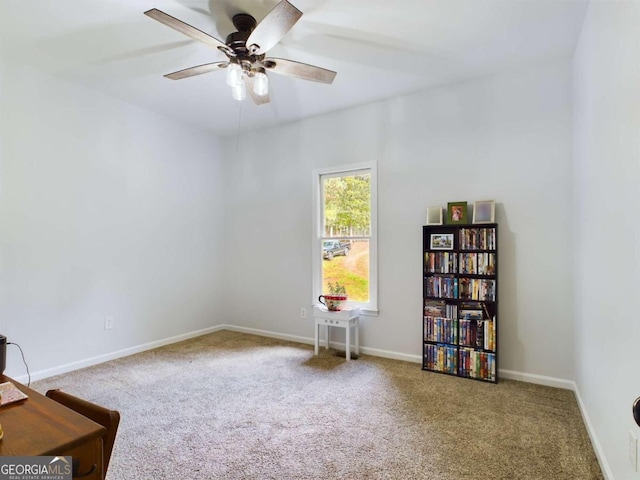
(371, 307)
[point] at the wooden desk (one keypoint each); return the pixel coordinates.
(41, 426)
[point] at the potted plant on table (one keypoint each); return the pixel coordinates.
(336, 299)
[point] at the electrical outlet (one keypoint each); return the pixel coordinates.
(108, 323)
(633, 451)
(303, 313)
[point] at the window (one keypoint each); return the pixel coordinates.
(345, 238)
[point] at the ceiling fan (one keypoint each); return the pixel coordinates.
(246, 50)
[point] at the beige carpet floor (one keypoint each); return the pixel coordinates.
(235, 406)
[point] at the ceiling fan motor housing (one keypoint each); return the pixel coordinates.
(245, 24)
(237, 41)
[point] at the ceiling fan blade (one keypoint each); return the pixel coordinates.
(273, 27)
(186, 29)
(257, 99)
(199, 70)
(300, 70)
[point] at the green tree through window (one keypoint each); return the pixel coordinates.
(347, 219)
(347, 206)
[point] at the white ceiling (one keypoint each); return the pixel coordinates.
(379, 48)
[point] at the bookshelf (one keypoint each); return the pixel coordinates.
(460, 300)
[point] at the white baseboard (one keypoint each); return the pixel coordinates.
(602, 459)
(537, 379)
(405, 357)
(88, 362)
(50, 372)
(269, 334)
(339, 345)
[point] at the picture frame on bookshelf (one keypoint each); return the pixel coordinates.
(434, 216)
(484, 211)
(441, 241)
(457, 213)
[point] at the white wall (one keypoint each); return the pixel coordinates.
(105, 209)
(506, 137)
(607, 177)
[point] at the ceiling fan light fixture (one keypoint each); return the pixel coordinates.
(234, 74)
(239, 92)
(260, 84)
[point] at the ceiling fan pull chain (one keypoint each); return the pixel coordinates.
(238, 132)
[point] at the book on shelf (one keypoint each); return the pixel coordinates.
(441, 358)
(477, 239)
(440, 308)
(479, 341)
(477, 263)
(477, 364)
(441, 287)
(477, 289)
(478, 334)
(435, 308)
(441, 329)
(441, 262)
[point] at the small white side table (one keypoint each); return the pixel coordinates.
(343, 319)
